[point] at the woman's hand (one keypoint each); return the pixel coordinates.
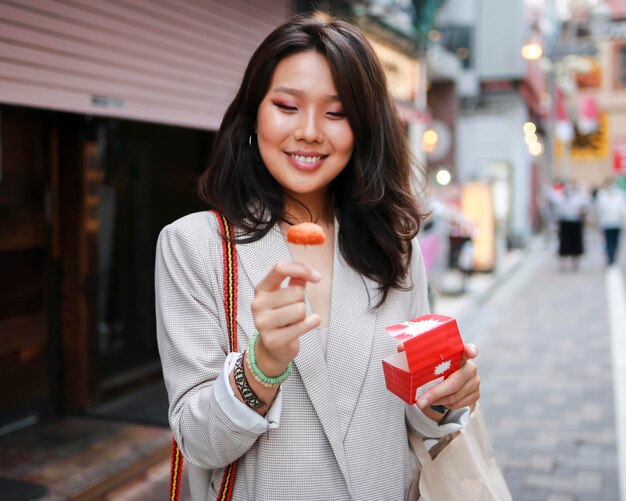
(461, 389)
(280, 316)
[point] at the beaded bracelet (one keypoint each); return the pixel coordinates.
(259, 376)
(241, 382)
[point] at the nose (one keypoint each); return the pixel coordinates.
(309, 129)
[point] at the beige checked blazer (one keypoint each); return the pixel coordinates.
(342, 435)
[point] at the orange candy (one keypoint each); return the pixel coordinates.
(306, 234)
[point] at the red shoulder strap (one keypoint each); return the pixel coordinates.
(229, 257)
(230, 279)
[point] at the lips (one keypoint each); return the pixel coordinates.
(306, 161)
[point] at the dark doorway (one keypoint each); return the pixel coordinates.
(26, 384)
(144, 176)
(82, 202)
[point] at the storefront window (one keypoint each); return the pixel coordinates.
(147, 180)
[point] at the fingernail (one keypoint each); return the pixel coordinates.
(422, 403)
(314, 319)
(315, 275)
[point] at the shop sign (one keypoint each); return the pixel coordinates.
(612, 30)
(619, 155)
(106, 101)
(593, 145)
(401, 71)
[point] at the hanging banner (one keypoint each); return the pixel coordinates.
(619, 155)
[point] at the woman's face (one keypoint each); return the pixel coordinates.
(304, 138)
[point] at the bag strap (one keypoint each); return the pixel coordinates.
(419, 448)
(229, 257)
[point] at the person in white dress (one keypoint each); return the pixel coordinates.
(571, 206)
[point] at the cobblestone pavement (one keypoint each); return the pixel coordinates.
(547, 390)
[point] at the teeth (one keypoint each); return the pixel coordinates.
(310, 160)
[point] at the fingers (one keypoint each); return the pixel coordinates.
(274, 306)
(470, 351)
(279, 298)
(277, 318)
(466, 401)
(467, 394)
(280, 314)
(294, 270)
(280, 340)
(460, 389)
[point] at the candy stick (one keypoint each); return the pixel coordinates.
(306, 234)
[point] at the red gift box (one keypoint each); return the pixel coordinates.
(433, 350)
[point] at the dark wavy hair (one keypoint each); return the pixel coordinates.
(373, 197)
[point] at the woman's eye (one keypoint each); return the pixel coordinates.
(336, 114)
(285, 107)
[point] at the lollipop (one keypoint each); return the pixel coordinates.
(306, 234)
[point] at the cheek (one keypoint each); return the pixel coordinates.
(269, 136)
(271, 127)
(344, 140)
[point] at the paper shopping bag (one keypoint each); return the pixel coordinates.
(465, 469)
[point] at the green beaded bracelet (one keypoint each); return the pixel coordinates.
(258, 374)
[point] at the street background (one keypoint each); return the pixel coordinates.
(515, 112)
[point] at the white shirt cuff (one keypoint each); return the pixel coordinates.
(240, 414)
(454, 420)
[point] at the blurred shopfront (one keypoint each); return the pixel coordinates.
(82, 201)
(107, 114)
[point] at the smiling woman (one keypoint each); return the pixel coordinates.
(311, 135)
(304, 138)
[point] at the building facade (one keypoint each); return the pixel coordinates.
(496, 100)
(107, 113)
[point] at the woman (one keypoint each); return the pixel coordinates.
(312, 135)
(571, 207)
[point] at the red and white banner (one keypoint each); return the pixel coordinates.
(619, 155)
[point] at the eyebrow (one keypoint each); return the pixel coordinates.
(298, 93)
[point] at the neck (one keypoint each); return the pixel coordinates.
(320, 211)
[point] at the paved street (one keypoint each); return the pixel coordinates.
(547, 389)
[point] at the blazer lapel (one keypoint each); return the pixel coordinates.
(313, 370)
(256, 260)
(352, 328)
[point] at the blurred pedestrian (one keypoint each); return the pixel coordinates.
(311, 135)
(571, 206)
(611, 211)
